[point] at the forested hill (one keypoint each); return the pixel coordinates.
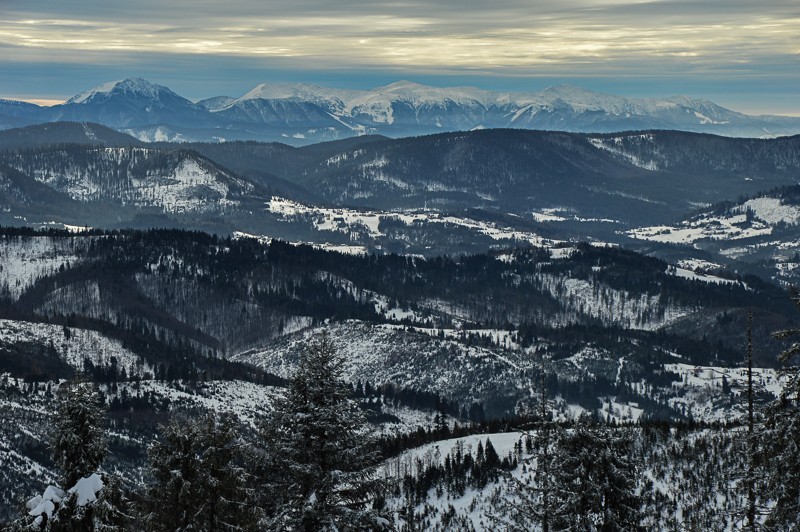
(229, 296)
(179, 323)
(631, 173)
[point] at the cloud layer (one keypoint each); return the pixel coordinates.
(710, 41)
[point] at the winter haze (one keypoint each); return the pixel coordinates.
(399, 266)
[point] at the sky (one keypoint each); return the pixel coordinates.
(743, 54)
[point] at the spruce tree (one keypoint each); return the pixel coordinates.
(594, 485)
(532, 502)
(318, 461)
(782, 438)
(200, 483)
(78, 440)
(89, 500)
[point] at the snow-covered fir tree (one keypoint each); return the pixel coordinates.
(78, 440)
(318, 460)
(594, 481)
(91, 500)
(200, 484)
(781, 438)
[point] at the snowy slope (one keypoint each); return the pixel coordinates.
(764, 228)
(670, 472)
(72, 345)
(24, 260)
(139, 177)
(381, 354)
(302, 113)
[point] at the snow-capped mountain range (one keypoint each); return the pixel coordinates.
(301, 113)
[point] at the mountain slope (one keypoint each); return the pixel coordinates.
(763, 231)
(658, 175)
(63, 133)
(128, 103)
(301, 114)
(445, 193)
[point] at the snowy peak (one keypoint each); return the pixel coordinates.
(304, 113)
(573, 93)
(131, 87)
(299, 91)
(403, 84)
(418, 94)
(216, 103)
(280, 91)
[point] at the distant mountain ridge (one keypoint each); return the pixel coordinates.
(301, 113)
(446, 193)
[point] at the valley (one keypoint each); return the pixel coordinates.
(464, 278)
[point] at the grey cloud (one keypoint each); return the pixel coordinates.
(698, 41)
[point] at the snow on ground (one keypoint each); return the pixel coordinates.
(700, 276)
(245, 400)
(772, 210)
(474, 504)
(24, 260)
(381, 354)
(707, 227)
(702, 395)
(548, 215)
(764, 379)
(620, 412)
(188, 187)
(345, 249)
(435, 453)
(695, 264)
(619, 307)
(81, 343)
(392, 312)
(765, 213)
(615, 145)
(498, 337)
(562, 252)
(348, 220)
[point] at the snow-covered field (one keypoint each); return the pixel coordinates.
(756, 217)
(348, 220)
(707, 227)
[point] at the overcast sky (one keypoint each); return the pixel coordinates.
(744, 54)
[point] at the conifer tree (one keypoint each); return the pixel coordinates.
(533, 503)
(89, 501)
(782, 438)
(318, 460)
(200, 483)
(78, 439)
(594, 484)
